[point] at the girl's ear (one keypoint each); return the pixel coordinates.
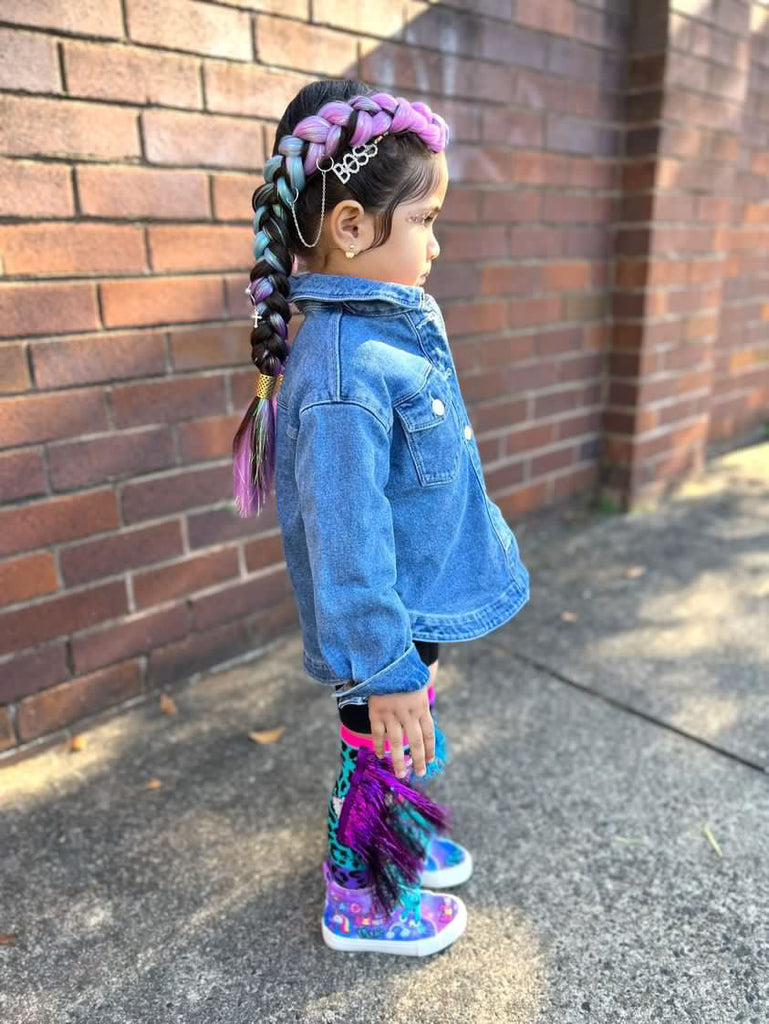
(346, 222)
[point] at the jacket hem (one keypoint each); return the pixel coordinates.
(436, 628)
(471, 626)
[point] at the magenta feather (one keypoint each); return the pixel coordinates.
(389, 824)
(252, 456)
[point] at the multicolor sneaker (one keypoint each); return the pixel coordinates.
(426, 923)
(447, 863)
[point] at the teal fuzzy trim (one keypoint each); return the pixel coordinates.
(436, 766)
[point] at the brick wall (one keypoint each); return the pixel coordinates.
(133, 134)
(740, 392)
(690, 340)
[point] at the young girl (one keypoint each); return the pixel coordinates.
(391, 541)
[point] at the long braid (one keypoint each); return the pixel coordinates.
(338, 124)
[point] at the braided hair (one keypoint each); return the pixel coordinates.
(327, 118)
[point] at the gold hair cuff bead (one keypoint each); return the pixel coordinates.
(267, 385)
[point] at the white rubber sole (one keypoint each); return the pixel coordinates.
(419, 947)
(447, 877)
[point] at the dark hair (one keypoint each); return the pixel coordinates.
(402, 171)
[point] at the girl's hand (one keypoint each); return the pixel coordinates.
(392, 714)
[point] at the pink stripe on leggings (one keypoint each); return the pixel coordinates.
(365, 741)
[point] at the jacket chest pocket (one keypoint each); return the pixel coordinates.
(432, 431)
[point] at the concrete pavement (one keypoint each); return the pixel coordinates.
(608, 772)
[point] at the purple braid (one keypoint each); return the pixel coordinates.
(338, 125)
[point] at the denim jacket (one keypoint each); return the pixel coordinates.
(388, 533)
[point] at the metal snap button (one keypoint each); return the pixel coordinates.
(468, 432)
(438, 406)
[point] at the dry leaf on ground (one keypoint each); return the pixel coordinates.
(153, 784)
(7, 940)
(569, 616)
(77, 742)
(167, 706)
(636, 570)
(268, 736)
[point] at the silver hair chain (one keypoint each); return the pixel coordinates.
(344, 169)
(350, 164)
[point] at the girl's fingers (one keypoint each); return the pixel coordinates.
(428, 735)
(395, 736)
(416, 746)
(378, 736)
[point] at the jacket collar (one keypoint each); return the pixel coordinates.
(346, 288)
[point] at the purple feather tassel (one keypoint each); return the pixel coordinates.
(252, 461)
(383, 819)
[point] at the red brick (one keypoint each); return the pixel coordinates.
(466, 240)
(28, 61)
(367, 16)
(509, 207)
(578, 136)
(31, 576)
(207, 439)
(138, 193)
(7, 735)
(506, 278)
(316, 50)
(548, 462)
(69, 361)
(198, 28)
(198, 347)
(59, 706)
(223, 525)
(21, 474)
(513, 45)
(138, 634)
(149, 499)
(522, 499)
(50, 308)
(513, 127)
(14, 375)
(185, 577)
(553, 16)
(527, 312)
(64, 128)
(475, 318)
(539, 168)
(585, 172)
(211, 647)
(30, 189)
(42, 523)
(88, 17)
(35, 670)
(128, 549)
(566, 276)
(53, 617)
(33, 417)
(132, 75)
(165, 401)
(80, 464)
(200, 248)
(231, 602)
(162, 300)
(527, 241)
(232, 196)
(249, 89)
(68, 249)
(205, 139)
(505, 475)
(263, 552)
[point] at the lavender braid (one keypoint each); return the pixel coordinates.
(314, 138)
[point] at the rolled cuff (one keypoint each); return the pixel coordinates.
(404, 675)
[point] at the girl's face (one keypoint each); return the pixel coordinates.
(406, 256)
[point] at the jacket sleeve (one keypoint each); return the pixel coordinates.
(342, 466)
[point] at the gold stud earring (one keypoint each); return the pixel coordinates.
(350, 251)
